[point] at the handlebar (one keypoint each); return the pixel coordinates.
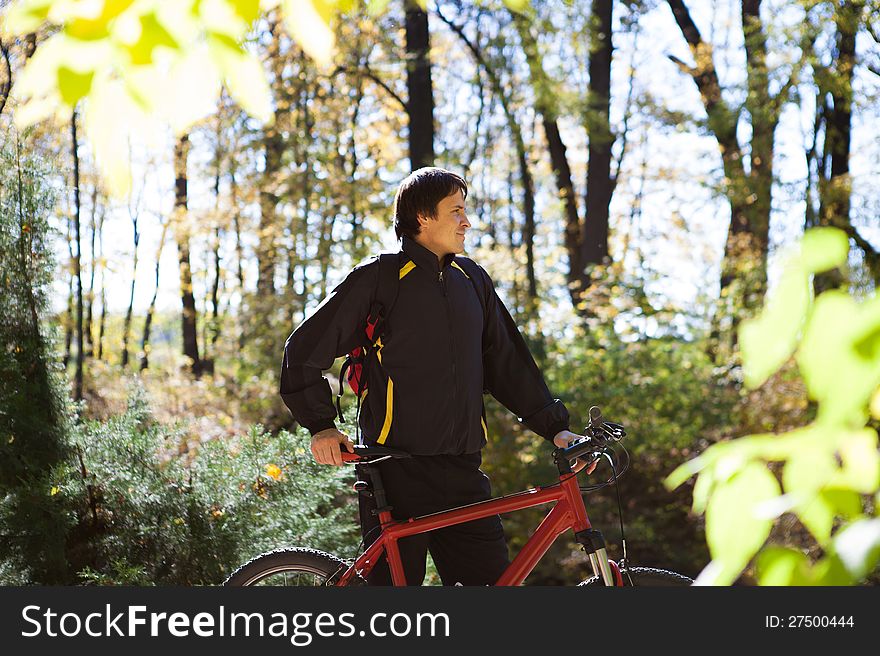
(598, 435)
(364, 453)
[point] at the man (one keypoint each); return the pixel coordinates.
(449, 338)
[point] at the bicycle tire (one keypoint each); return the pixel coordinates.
(646, 577)
(297, 566)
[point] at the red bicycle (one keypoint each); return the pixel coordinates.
(310, 567)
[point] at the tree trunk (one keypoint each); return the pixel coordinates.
(545, 104)
(182, 235)
(148, 323)
(525, 174)
(600, 185)
(77, 264)
(835, 110)
(744, 264)
(126, 327)
(420, 105)
(273, 150)
(90, 297)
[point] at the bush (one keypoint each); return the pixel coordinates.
(146, 514)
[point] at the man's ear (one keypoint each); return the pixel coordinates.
(422, 219)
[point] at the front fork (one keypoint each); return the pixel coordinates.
(594, 545)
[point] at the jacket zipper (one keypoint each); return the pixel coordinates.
(443, 288)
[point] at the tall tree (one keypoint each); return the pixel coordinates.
(586, 237)
(834, 102)
(273, 152)
(748, 190)
(420, 98)
(526, 181)
(77, 263)
(182, 235)
(134, 216)
(151, 310)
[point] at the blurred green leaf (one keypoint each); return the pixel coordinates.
(73, 85)
(858, 546)
(769, 339)
(153, 35)
(783, 566)
(836, 372)
(733, 531)
(26, 16)
(823, 249)
(308, 21)
(244, 77)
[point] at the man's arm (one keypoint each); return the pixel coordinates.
(332, 330)
(511, 375)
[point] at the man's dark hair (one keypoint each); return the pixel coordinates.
(419, 193)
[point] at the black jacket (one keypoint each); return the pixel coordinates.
(424, 395)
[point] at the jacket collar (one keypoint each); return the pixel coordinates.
(424, 257)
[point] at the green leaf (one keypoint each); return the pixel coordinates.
(73, 85)
(308, 21)
(153, 35)
(860, 470)
(832, 356)
(26, 16)
(783, 566)
(734, 532)
(769, 339)
(858, 546)
(244, 77)
(823, 249)
(376, 7)
(248, 10)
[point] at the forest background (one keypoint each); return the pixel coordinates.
(183, 182)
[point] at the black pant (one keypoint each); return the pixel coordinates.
(473, 553)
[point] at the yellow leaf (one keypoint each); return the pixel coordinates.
(244, 76)
(54, 490)
(309, 23)
(273, 471)
(25, 16)
(108, 117)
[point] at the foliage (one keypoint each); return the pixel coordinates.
(830, 469)
(671, 400)
(33, 412)
(145, 512)
(133, 62)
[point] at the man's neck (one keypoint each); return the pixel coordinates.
(424, 245)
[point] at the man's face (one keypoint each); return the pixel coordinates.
(444, 234)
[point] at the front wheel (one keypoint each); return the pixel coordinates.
(291, 567)
(646, 576)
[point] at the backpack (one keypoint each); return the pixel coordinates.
(353, 369)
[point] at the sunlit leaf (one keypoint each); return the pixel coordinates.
(770, 338)
(733, 531)
(25, 16)
(248, 10)
(244, 77)
(823, 249)
(108, 117)
(832, 355)
(308, 21)
(191, 89)
(91, 20)
(152, 35)
(783, 566)
(858, 546)
(73, 85)
(860, 460)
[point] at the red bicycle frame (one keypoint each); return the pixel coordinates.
(568, 513)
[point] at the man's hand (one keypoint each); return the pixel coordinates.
(325, 446)
(563, 439)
